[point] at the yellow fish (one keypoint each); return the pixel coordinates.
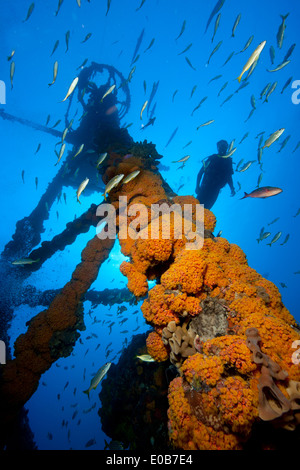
(11, 55)
(71, 89)
(55, 68)
(62, 149)
(254, 56)
(112, 184)
(146, 358)
(24, 261)
(101, 159)
(108, 92)
(184, 159)
(82, 186)
(64, 135)
(273, 137)
(206, 124)
(229, 153)
(79, 150)
(143, 109)
(131, 176)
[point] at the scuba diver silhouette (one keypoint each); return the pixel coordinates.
(216, 173)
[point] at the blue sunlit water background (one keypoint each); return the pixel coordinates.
(113, 41)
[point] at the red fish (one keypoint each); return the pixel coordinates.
(265, 191)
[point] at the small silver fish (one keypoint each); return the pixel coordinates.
(271, 90)
(263, 236)
(55, 47)
(238, 19)
(264, 91)
(59, 5)
(286, 239)
(273, 137)
(30, 10)
(143, 109)
(101, 159)
(297, 213)
(55, 69)
(97, 378)
(112, 184)
(82, 186)
(67, 37)
(61, 152)
(280, 33)
(275, 238)
(215, 50)
(247, 44)
(11, 55)
(186, 49)
(71, 89)
(206, 123)
(12, 72)
(25, 261)
(245, 167)
(146, 358)
(131, 176)
(183, 159)
(279, 67)
(79, 150)
(217, 22)
(86, 38)
(110, 90)
(182, 30)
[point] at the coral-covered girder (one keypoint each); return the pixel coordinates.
(205, 306)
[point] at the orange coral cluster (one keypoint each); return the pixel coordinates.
(224, 371)
(215, 402)
(225, 406)
(156, 347)
(190, 433)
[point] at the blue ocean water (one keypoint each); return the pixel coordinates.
(113, 41)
